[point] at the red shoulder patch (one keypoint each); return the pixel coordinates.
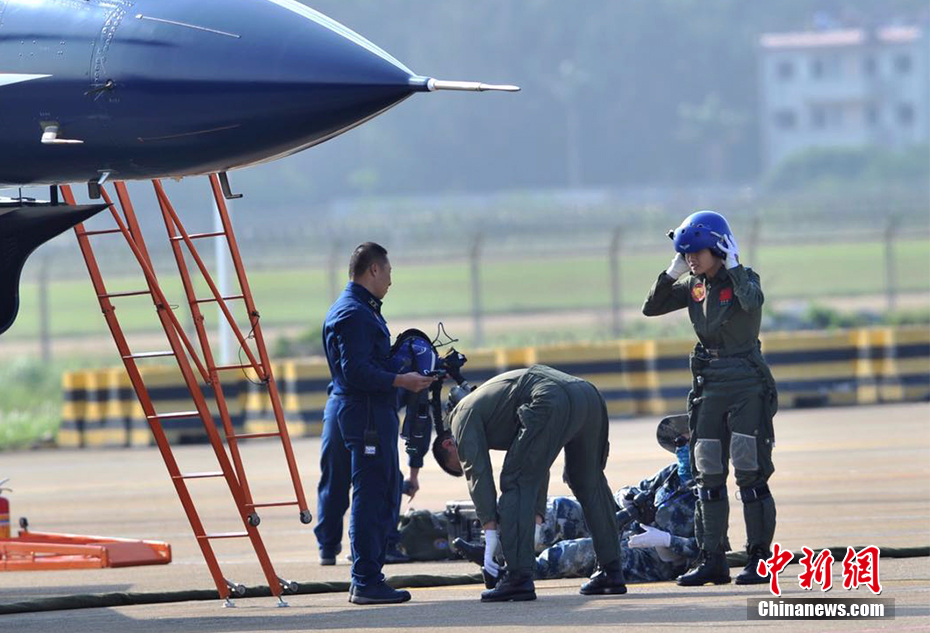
(726, 294)
(698, 292)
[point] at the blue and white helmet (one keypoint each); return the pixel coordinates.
(413, 351)
(699, 231)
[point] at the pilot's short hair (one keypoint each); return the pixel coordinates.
(441, 454)
(364, 256)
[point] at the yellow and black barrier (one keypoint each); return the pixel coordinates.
(843, 367)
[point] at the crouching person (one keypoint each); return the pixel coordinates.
(656, 523)
(533, 414)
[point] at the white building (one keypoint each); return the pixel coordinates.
(846, 88)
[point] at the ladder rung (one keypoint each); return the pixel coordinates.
(149, 355)
(271, 505)
(249, 436)
(212, 299)
(197, 236)
(228, 367)
(224, 535)
(134, 293)
(197, 475)
(174, 416)
(102, 232)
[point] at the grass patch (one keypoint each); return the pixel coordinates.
(30, 400)
(442, 289)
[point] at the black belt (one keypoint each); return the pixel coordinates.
(705, 353)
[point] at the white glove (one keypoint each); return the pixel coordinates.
(491, 545)
(678, 267)
(538, 537)
(728, 245)
(651, 538)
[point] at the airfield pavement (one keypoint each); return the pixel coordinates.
(845, 476)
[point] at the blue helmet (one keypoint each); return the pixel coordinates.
(413, 351)
(699, 231)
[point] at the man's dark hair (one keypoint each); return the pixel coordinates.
(364, 256)
(441, 454)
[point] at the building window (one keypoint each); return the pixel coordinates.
(902, 63)
(786, 119)
(869, 67)
(784, 70)
(905, 114)
(818, 117)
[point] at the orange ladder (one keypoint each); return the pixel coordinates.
(184, 353)
(261, 366)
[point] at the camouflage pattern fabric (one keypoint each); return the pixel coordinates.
(570, 553)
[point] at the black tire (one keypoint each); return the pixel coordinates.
(305, 517)
(254, 519)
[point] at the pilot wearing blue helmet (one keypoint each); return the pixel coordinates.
(733, 396)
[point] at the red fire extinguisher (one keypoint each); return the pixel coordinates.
(4, 512)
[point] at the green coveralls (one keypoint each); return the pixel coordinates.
(532, 414)
(732, 400)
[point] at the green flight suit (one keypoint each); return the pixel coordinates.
(732, 400)
(532, 414)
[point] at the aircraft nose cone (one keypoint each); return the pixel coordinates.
(327, 51)
(272, 76)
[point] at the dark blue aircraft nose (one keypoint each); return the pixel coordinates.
(183, 87)
(264, 78)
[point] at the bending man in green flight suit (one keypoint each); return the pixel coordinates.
(533, 414)
(733, 396)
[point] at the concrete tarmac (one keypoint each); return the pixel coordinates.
(845, 477)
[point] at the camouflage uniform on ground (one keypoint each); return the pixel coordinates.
(569, 553)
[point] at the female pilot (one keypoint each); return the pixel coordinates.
(733, 396)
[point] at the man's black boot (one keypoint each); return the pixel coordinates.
(607, 581)
(712, 568)
(472, 552)
(750, 574)
(379, 593)
(511, 586)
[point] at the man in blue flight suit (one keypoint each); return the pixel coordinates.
(360, 426)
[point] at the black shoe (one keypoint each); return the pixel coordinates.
(490, 581)
(605, 582)
(713, 568)
(511, 587)
(329, 558)
(472, 552)
(750, 574)
(393, 556)
(377, 594)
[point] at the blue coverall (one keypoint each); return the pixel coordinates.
(357, 344)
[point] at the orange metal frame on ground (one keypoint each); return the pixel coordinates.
(189, 360)
(35, 551)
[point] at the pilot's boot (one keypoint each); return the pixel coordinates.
(712, 568)
(608, 580)
(512, 586)
(750, 574)
(472, 552)
(759, 513)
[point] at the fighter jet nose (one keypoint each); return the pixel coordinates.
(333, 49)
(312, 49)
(273, 77)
